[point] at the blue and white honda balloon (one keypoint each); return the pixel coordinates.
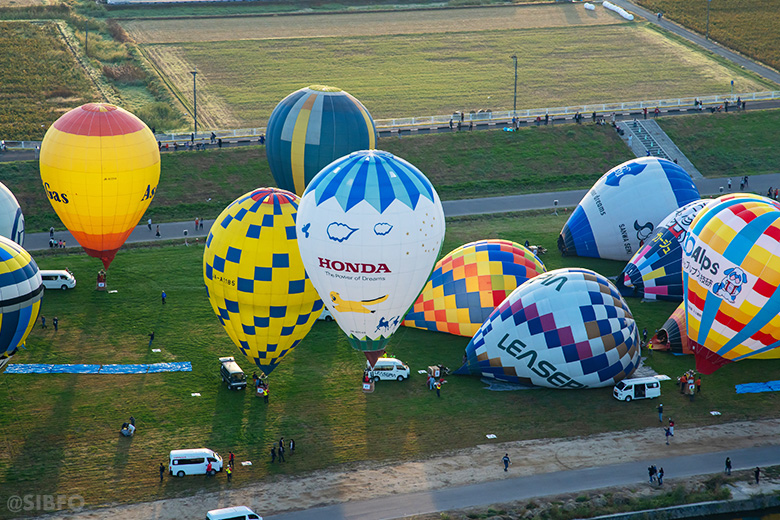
(11, 218)
(618, 214)
(655, 271)
(567, 329)
(370, 227)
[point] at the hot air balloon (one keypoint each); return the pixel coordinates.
(655, 271)
(311, 128)
(21, 290)
(468, 283)
(11, 218)
(568, 328)
(731, 265)
(673, 335)
(100, 166)
(370, 227)
(618, 214)
(255, 279)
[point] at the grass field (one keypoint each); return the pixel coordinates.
(461, 165)
(240, 82)
(749, 26)
(59, 432)
(40, 79)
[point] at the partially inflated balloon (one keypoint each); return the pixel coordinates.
(255, 279)
(370, 227)
(731, 264)
(567, 328)
(21, 290)
(311, 128)
(655, 271)
(468, 283)
(100, 166)
(673, 335)
(621, 210)
(11, 218)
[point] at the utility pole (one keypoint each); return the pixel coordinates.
(195, 99)
(514, 105)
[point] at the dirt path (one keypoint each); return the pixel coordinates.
(478, 464)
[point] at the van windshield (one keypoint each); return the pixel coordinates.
(238, 377)
(620, 386)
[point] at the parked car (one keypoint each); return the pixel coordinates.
(638, 388)
(194, 462)
(231, 373)
(388, 369)
(233, 513)
(58, 279)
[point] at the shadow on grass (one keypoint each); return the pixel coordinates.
(41, 457)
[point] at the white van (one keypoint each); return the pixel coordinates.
(388, 369)
(639, 388)
(194, 462)
(58, 279)
(326, 315)
(233, 513)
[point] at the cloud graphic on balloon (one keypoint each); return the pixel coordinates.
(382, 228)
(339, 232)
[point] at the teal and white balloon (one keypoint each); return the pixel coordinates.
(11, 218)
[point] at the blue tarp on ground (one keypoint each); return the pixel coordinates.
(154, 368)
(757, 388)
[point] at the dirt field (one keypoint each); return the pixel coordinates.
(365, 24)
(479, 464)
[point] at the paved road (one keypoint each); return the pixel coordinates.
(521, 488)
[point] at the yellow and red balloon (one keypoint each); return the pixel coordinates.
(100, 166)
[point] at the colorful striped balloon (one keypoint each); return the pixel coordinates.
(673, 335)
(311, 128)
(21, 290)
(468, 283)
(731, 264)
(255, 278)
(100, 166)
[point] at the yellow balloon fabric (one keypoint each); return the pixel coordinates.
(255, 278)
(100, 166)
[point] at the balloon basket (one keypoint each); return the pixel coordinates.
(101, 281)
(368, 388)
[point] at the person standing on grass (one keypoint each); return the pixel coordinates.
(231, 459)
(292, 446)
(273, 454)
(151, 338)
(661, 476)
(163, 296)
(43, 322)
(698, 384)
(55, 322)
(229, 473)
(281, 452)
(506, 461)
(438, 388)
(208, 469)
(162, 471)
(661, 412)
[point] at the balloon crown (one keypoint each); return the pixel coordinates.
(99, 107)
(324, 88)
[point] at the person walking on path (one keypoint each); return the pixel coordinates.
(158, 231)
(671, 426)
(506, 461)
(151, 338)
(163, 296)
(281, 452)
(51, 232)
(55, 322)
(728, 465)
(661, 477)
(196, 223)
(162, 471)
(651, 473)
(201, 223)
(292, 446)
(273, 454)
(43, 322)
(661, 412)
(757, 474)
(668, 434)
(231, 459)
(229, 473)
(149, 224)
(729, 183)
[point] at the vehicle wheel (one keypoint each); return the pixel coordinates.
(180, 474)
(328, 318)
(628, 399)
(376, 379)
(399, 378)
(64, 287)
(213, 472)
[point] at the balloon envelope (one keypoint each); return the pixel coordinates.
(370, 227)
(567, 328)
(468, 283)
(311, 128)
(620, 211)
(21, 290)
(100, 166)
(11, 218)
(655, 271)
(673, 335)
(255, 279)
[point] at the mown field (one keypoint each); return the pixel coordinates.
(40, 79)
(749, 26)
(60, 432)
(240, 82)
(461, 165)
